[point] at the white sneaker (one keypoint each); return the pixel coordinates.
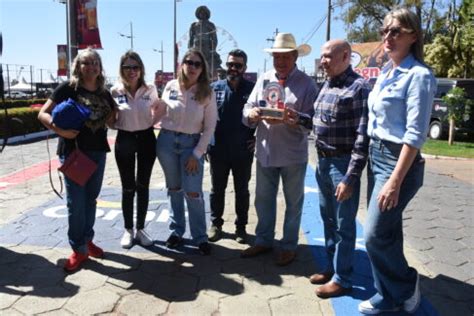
(411, 304)
(143, 238)
(367, 308)
(127, 239)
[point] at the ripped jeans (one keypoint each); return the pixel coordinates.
(173, 150)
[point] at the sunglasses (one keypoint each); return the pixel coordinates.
(237, 66)
(90, 63)
(393, 31)
(195, 64)
(130, 67)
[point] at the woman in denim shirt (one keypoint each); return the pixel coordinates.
(399, 114)
(186, 131)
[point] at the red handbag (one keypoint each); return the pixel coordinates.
(78, 167)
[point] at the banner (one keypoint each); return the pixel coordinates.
(87, 28)
(368, 58)
(62, 60)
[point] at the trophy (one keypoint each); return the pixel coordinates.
(272, 106)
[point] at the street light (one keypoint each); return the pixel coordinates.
(129, 36)
(161, 51)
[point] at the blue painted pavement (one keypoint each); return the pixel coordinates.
(312, 226)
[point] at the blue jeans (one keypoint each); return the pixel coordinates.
(173, 150)
(268, 179)
(338, 218)
(81, 203)
(394, 280)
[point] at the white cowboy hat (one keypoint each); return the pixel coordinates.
(285, 42)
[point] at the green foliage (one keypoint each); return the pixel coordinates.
(451, 52)
(21, 121)
(458, 104)
(22, 103)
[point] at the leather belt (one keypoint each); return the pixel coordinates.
(333, 153)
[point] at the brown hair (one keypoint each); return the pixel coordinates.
(76, 76)
(203, 83)
(132, 55)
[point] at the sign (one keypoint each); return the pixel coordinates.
(62, 60)
(87, 27)
(368, 59)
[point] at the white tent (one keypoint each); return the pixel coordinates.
(23, 86)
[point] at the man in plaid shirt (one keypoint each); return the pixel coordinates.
(340, 126)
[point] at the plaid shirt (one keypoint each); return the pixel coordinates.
(340, 120)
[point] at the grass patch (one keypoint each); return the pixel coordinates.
(441, 148)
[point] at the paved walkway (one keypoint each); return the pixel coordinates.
(438, 227)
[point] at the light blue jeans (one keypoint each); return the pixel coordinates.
(173, 149)
(81, 203)
(338, 218)
(394, 280)
(268, 179)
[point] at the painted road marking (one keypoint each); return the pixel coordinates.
(35, 171)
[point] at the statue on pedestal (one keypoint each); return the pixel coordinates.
(203, 36)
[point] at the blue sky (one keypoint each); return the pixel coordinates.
(32, 29)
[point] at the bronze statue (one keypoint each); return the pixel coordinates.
(203, 36)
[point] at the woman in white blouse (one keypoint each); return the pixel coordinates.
(186, 131)
(139, 108)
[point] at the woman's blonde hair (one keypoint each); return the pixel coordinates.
(203, 83)
(132, 55)
(76, 76)
(411, 22)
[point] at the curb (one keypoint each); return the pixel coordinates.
(427, 156)
(27, 138)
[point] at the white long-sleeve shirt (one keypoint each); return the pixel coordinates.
(185, 114)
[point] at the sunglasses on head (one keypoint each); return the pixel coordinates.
(90, 63)
(237, 66)
(195, 64)
(393, 31)
(131, 67)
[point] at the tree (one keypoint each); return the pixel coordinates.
(363, 18)
(452, 51)
(458, 106)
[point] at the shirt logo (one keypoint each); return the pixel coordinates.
(122, 99)
(173, 95)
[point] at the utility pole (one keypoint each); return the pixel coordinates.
(175, 53)
(328, 29)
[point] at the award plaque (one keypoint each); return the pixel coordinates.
(273, 105)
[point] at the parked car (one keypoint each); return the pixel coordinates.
(439, 123)
(16, 95)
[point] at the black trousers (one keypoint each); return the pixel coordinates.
(135, 148)
(221, 166)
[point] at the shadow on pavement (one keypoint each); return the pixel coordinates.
(32, 274)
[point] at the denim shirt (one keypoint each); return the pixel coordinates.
(400, 105)
(231, 135)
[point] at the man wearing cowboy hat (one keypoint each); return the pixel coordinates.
(340, 126)
(281, 146)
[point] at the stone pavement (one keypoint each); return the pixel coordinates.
(438, 227)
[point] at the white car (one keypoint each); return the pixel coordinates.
(16, 95)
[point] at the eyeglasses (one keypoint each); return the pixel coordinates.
(131, 67)
(237, 66)
(90, 63)
(393, 31)
(195, 64)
